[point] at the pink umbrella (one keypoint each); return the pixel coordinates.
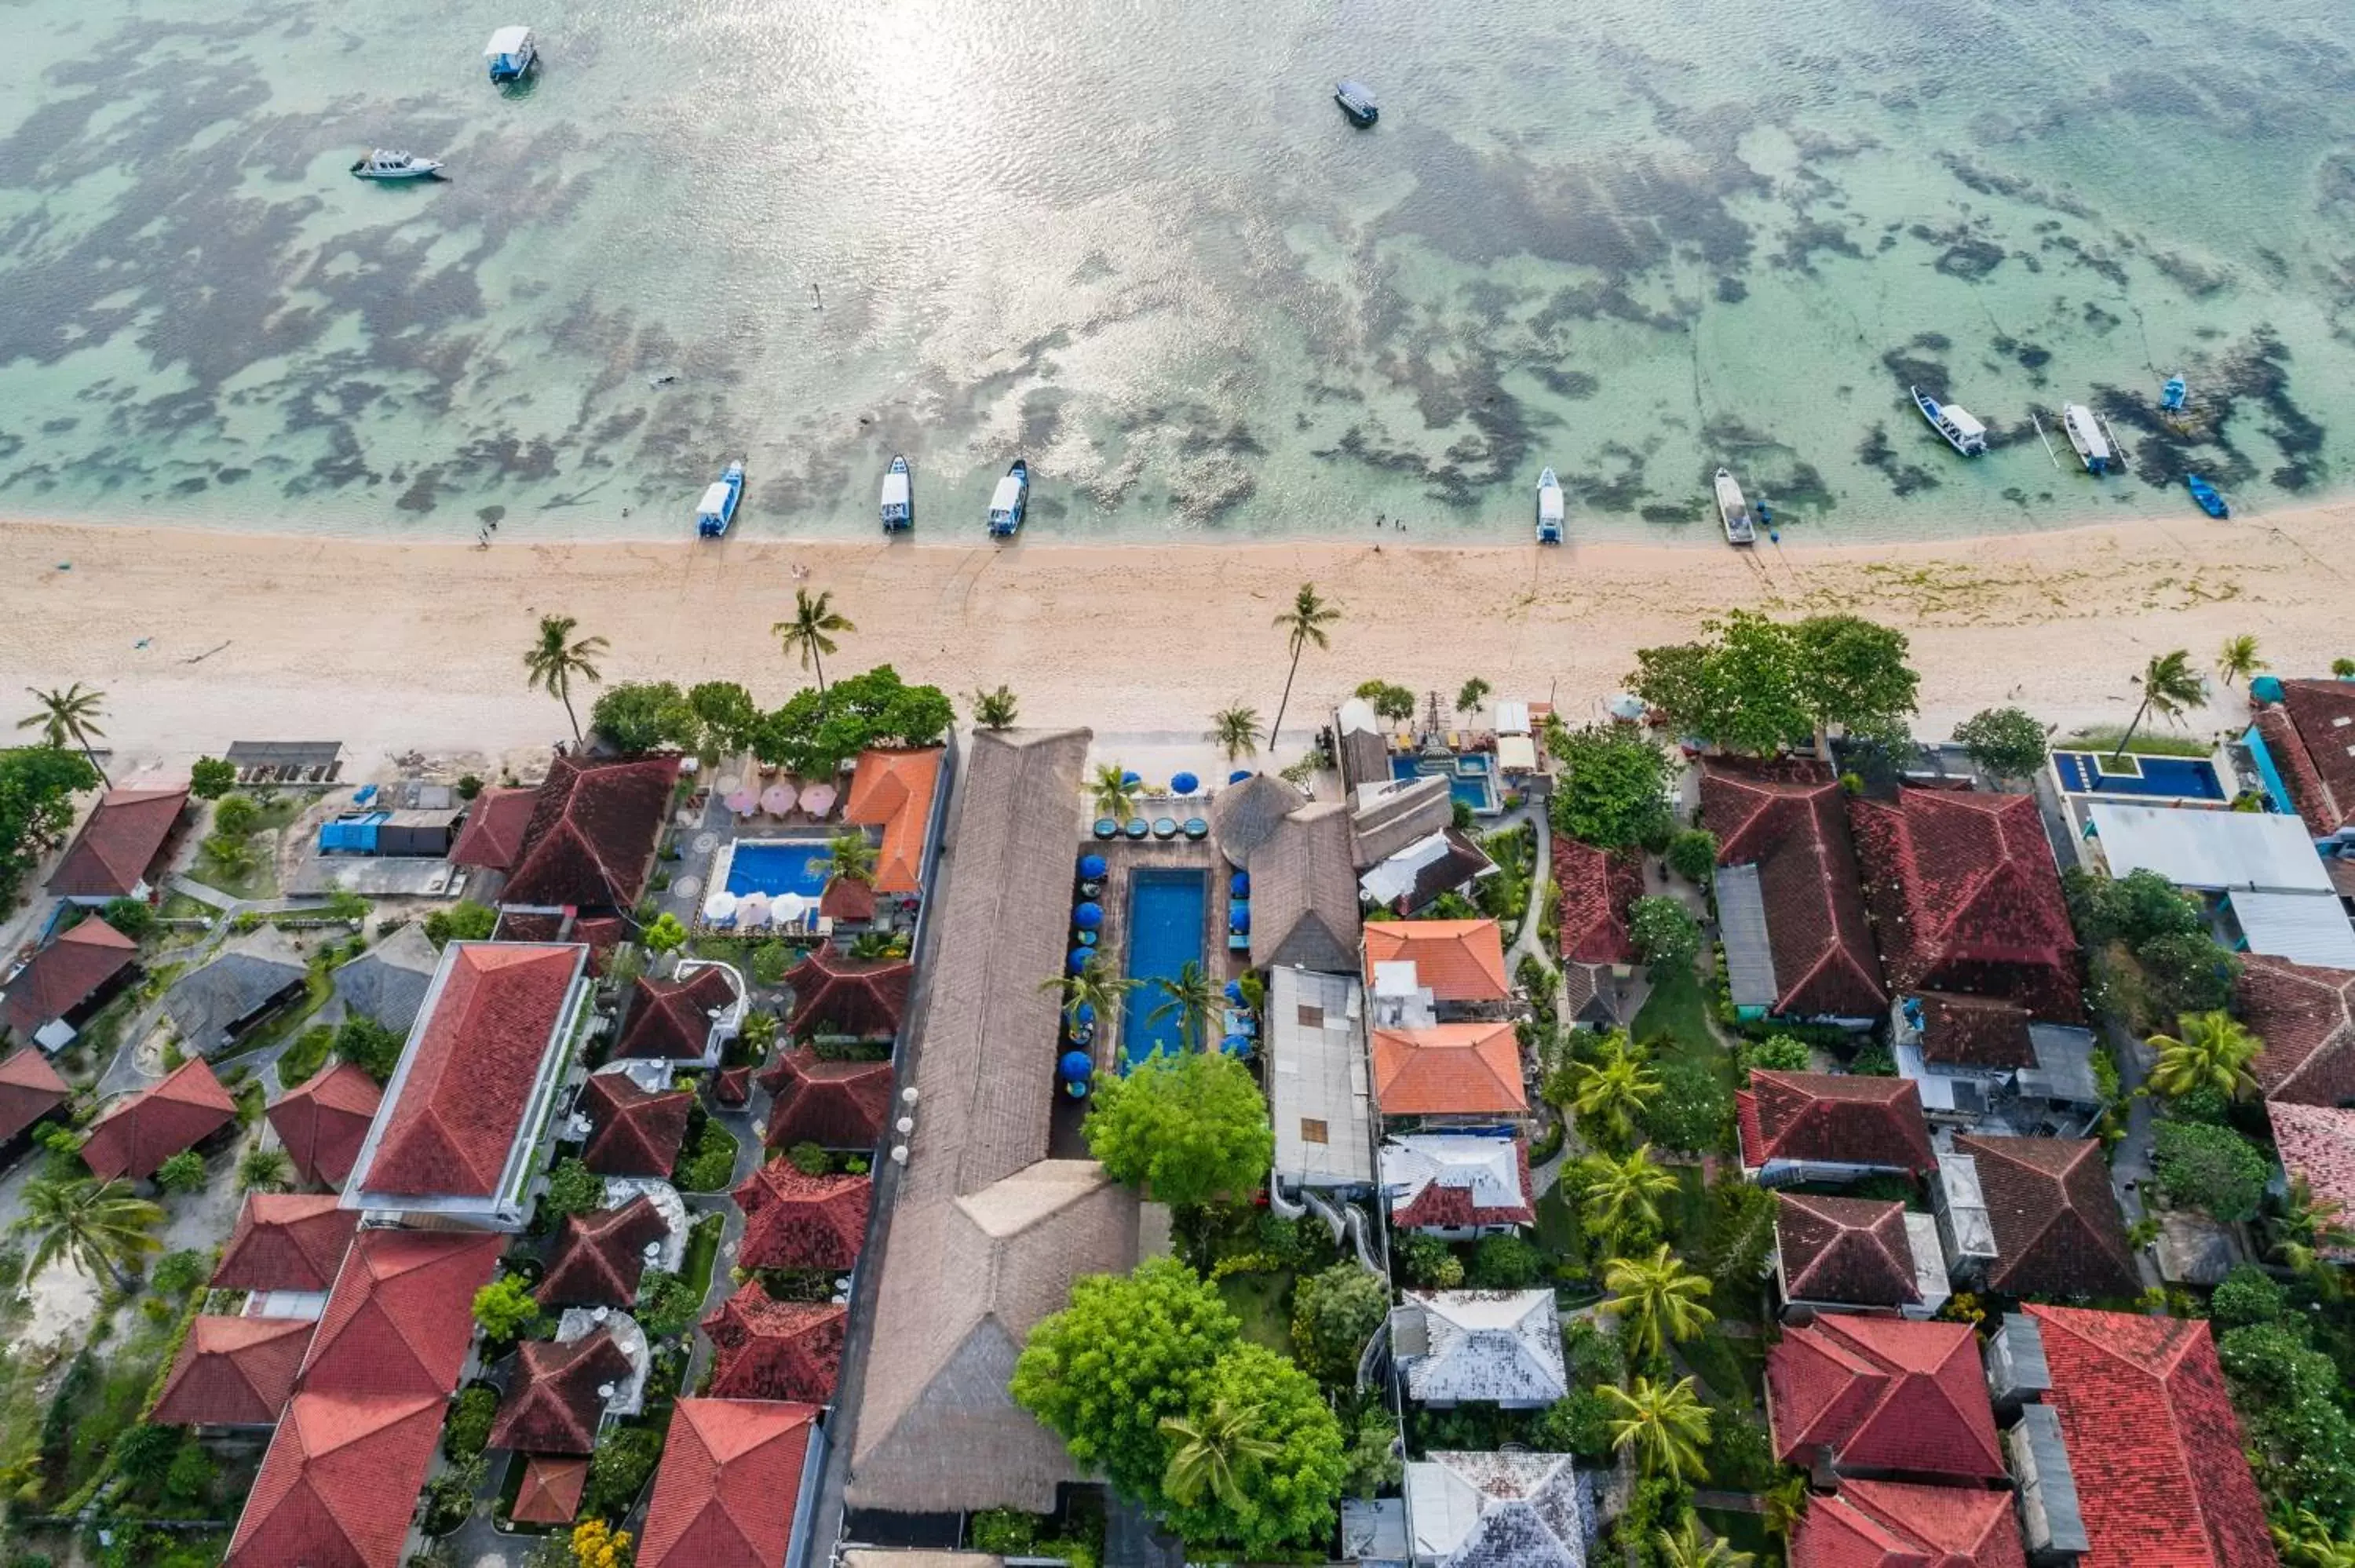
(742, 802)
(777, 799)
(817, 799)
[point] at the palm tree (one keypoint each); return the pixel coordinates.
(1115, 797)
(2169, 686)
(1475, 691)
(878, 947)
(1690, 1546)
(265, 1170)
(810, 632)
(995, 710)
(71, 714)
(849, 858)
(1193, 996)
(1208, 1449)
(1659, 1297)
(2314, 1234)
(1623, 1195)
(91, 1224)
(1666, 1424)
(1615, 1090)
(2237, 659)
(1235, 731)
(2214, 1050)
(1302, 624)
(1786, 1505)
(553, 662)
(1094, 988)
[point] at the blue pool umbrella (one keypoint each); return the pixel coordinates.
(1132, 779)
(1093, 867)
(1076, 1064)
(1239, 920)
(1088, 917)
(1075, 1088)
(1185, 783)
(1080, 956)
(1234, 991)
(1240, 885)
(1195, 828)
(1239, 775)
(1165, 827)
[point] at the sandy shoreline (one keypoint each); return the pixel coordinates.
(199, 638)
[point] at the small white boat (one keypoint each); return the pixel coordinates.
(1734, 511)
(1548, 509)
(1011, 499)
(717, 509)
(899, 496)
(1963, 433)
(510, 55)
(382, 163)
(2085, 433)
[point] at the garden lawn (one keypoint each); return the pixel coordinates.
(702, 1251)
(1263, 1301)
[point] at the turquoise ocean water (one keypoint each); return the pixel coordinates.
(1137, 245)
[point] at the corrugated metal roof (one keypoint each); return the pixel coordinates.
(2212, 850)
(1742, 925)
(2304, 927)
(1317, 1078)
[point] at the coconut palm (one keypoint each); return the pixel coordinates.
(1475, 691)
(995, 709)
(1209, 1448)
(1235, 731)
(1302, 624)
(2237, 659)
(2314, 1234)
(1786, 1505)
(810, 632)
(1666, 1424)
(265, 1170)
(2313, 1545)
(1193, 996)
(72, 716)
(1659, 1297)
(1622, 1196)
(1115, 796)
(91, 1224)
(1095, 988)
(552, 663)
(1690, 1546)
(849, 858)
(2212, 1051)
(2169, 686)
(1614, 1091)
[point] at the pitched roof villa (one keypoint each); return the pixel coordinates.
(601, 1254)
(1883, 1396)
(1594, 891)
(1498, 1511)
(340, 1481)
(29, 1089)
(835, 994)
(286, 1241)
(1855, 1252)
(590, 842)
(2317, 1144)
(1890, 1524)
(893, 792)
(402, 1317)
(793, 1219)
(233, 1371)
(2306, 1019)
(730, 1491)
(495, 824)
(678, 1019)
(324, 1119)
(2309, 734)
(1480, 1347)
(1449, 1070)
(1795, 1124)
(119, 846)
(138, 1135)
(835, 1105)
(1458, 961)
(1788, 821)
(2056, 1216)
(987, 1230)
(65, 975)
(775, 1350)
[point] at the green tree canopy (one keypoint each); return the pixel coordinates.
(37, 784)
(728, 715)
(1333, 1313)
(1613, 791)
(637, 716)
(2134, 908)
(209, 777)
(2005, 742)
(1189, 1128)
(1663, 931)
(2211, 1168)
(369, 1045)
(2190, 972)
(1692, 854)
(1752, 684)
(505, 1308)
(816, 732)
(1286, 1460)
(1395, 704)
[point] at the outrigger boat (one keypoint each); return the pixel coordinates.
(1357, 101)
(384, 165)
(718, 508)
(1548, 509)
(899, 496)
(2085, 433)
(2171, 396)
(1734, 511)
(1012, 498)
(1963, 433)
(510, 55)
(2211, 500)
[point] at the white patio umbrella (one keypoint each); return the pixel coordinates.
(721, 905)
(777, 799)
(752, 909)
(789, 908)
(817, 799)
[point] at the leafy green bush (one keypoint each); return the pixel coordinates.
(307, 1055)
(1505, 1263)
(1873, 1062)
(1776, 1053)
(1579, 1423)
(771, 961)
(369, 1045)
(707, 1166)
(2007, 742)
(1333, 1313)
(183, 1172)
(573, 1189)
(211, 777)
(505, 1308)
(236, 817)
(667, 1304)
(2247, 1295)
(1008, 1532)
(1663, 931)
(1693, 1112)
(1692, 854)
(808, 1159)
(177, 1272)
(465, 921)
(134, 917)
(468, 1430)
(2211, 1168)
(1614, 788)
(625, 1456)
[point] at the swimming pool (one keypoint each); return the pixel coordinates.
(2166, 777)
(1165, 934)
(776, 867)
(1467, 781)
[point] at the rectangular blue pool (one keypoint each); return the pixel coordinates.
(1468, 784)
(2164, 777)
(1165, 908)
(779, 866)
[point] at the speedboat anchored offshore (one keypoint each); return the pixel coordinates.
(717, 510)
(1963, 433)
(898, 497)
(384, 165)
(1734, 511)
(1012, 498)
(1548, 509)
(1357, 101)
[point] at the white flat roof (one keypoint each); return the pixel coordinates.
(2209, 849)
(1318, 1091)
(1517, 754)
(1513, 718)
(2304, 927)
(1394, 878)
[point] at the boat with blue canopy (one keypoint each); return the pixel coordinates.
(1548, 509)
(1011, 499)
(2211, 500)
(1963, 433)
(2172, 396)
(899, 496)
(717, 509)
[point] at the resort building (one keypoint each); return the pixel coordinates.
(1304, 908)
(1594, 891)
(601, 1255)
(631, 1129)
(1892, 1524)
(793, 1220)
(2317, 1144)
(2258, 874)
(838, 997)
(1797, 942)
(2306, 1017)
(49, 997)
(1319, 1096)
(1464, 1076)
(387, 983)
(30, 1089)
(1830, 1127)
(1406, 883)
(765, 1349)
(324, 1120)
(894, 792)
(251, 978)
(737, 1483)
(1479, 1347)
(590, 843)
(1984, 1063)
(2300, 742)
(454, 1144)
(1856, 1255)
(233, 1373)
(835, 1105)
(491, 839)
(291, 1243)
(991, 1222)
(1421, 971)
(1882, 1398)
(1498, 1511)
(2052, 1213)
(1388, 818)
(141, 1132)
(1457, 1189)
(122, 848)
(557, 1398)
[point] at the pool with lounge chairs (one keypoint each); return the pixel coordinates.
(775, 867)
(1165, 908)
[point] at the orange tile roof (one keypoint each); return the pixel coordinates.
(1457, 960)
(30, 1089)
(324, 1120)
(64, 974)
(402, 1314)
(339, 1483)
(1450, 1069)
(729, 1484)
(112, 853)
(287, 1241)
(552, 1485)
(893, 790)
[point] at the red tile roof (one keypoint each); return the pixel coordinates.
(233, 1371)
(1789, 819)
(2153, 1443)
(635, 1132)
(835, 1105)
(1593, 889)
(2306, 1016)
(672, 1019)
(64, 975)
(324, 1120)
(2057, 1229)
(402, 1313)
(1850, 1250)
(849, 901)
(729, 1486)
(339, 1483)
(1441, 1206)
(469, 1073)
(149, 1127)
(2308, 735)
(775, 1350)
(552, 1404)
(1975, 1032)
(1886, 1395)
(111, 856)
(836, 994)
(1456, 961)
(893, 790)
(2317, 1144)
(1449, 1069)
(286, 1241)
(732, 1086)
(601, 1255)
(29, 1090)
(794, 1221)
(1965, 897)
(1889, 1525)
(593, 829)
(550, 1493)
(496, 825)
(1834, 1118)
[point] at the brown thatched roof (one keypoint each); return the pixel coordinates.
(1305, 893)
(1244, 816)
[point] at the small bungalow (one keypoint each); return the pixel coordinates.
(1479, 1347)
(837, 996)
(250, 978)
(555, 1401)
(632, 1130)
(48, 1000)
(1361, 744)
(593, 832)
(601, 1255)
(2306, 1017)
(1788, 873)
(2300, 742)
(793, 1219)
(1854, 1254)
(324, 1120)
(1459, 1075)
(340, 1481)
(291, 1243)
(1594, 890)
(1882, 1398)
(1408, 881)
(737, 1482)
(893, 792)
(387, 983)
(1318, 1097)
(496, 823)
(1830, 1127)
(835, 1105)
(1457, 1189)
(233, 1371)
(1498, 1511)
(29, 1089)
(550, 1490)
(1893, 1524)
(122, 849)
(2051, 1212)
(1388, 818)
(688, 1018)
(1982, 1061)
(141, 1132)
(1433, 969)
(775, 1350)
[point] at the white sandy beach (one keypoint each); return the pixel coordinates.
(202, 637)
